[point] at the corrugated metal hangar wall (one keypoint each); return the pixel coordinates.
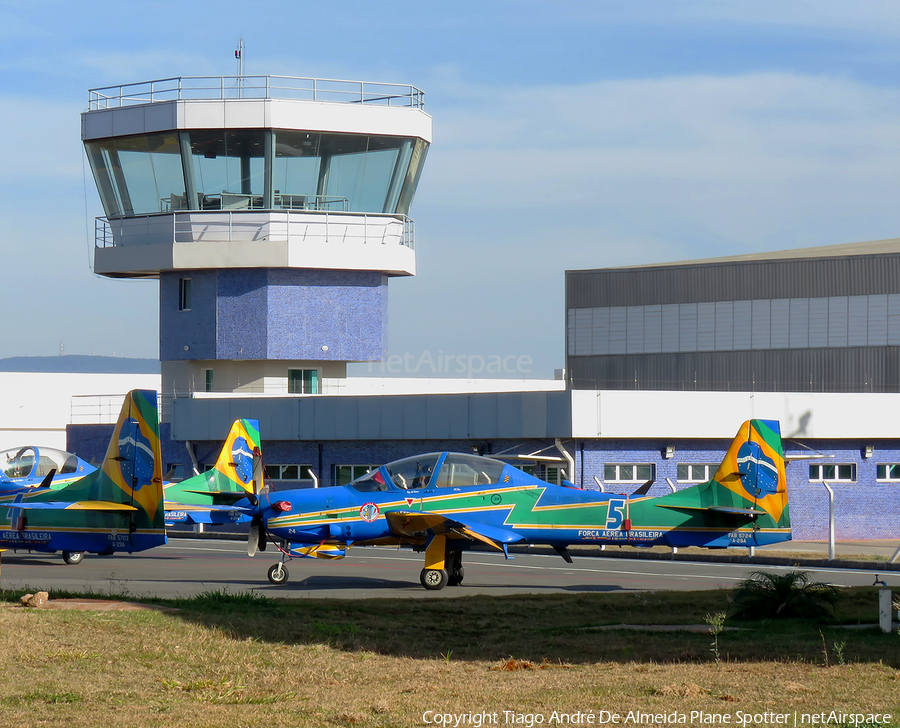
(821, 324)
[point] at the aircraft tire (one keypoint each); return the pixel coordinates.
(278, 573)
(73, 557)
(456, 576)
(433, 579)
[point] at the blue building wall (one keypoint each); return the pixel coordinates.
(262, 314)
(242, 314)
(343, 310)
(195, 328)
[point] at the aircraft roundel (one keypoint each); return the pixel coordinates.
(759, 473)
(242, 457)
(369, 512)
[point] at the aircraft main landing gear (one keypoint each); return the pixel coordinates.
(278, 573)
(73, 557)
(433, 579)
(443, 565)
(455, 568)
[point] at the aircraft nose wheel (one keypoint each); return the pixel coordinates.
(73, 557)
(433, 579)
(278, 573)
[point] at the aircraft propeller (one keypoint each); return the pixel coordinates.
(256, 538)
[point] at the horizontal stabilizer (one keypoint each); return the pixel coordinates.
(223, 494)
(175, 506)
(724, 510)
(106, 506)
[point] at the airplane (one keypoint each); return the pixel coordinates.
(209, 497)
(116, 508)
(444, 503)
(23, 468)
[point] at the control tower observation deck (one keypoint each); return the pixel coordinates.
(272, 210)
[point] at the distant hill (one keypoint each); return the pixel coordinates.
(79, 364)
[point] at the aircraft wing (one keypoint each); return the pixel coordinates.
(70, 506)
(416, 523)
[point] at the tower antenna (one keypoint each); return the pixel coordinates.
(239, 55)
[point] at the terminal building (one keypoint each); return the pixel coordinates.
(274, 212)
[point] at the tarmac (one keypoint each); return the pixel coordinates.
(868, 554)
(876, 549)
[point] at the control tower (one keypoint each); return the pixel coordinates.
(273, 210)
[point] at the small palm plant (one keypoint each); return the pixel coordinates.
(765, 595)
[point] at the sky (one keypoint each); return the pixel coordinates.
(567, 135)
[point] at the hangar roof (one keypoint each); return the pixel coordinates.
(844, 250)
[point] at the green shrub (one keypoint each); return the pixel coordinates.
(764, 595)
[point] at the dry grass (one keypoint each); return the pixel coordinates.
(383, 663)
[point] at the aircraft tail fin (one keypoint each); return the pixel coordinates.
(754, 470)
(237, 474)
(130, 475)
(238, 467)
(749, 488)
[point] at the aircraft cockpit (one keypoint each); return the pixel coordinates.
(35, 462)
(436, 470)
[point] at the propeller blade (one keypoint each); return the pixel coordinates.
(253, 538)
(261, 543)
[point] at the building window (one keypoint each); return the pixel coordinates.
(303, 381)
(888, 472)
(289, 472)
(208, 377)
(845, 473)
(344, 474)
(176, 472)
(694, 473)
(638, 473)
(548, 473)
(184, 294)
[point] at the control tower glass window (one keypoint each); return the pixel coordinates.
(138, 175)
(218, 169)
(228, 168)
(353, 172)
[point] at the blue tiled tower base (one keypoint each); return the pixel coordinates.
(251, 313)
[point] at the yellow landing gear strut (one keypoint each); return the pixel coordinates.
(443, 566)
(434, 575)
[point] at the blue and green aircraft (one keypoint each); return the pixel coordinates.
(118, 507)
(33, 466)
(444, 503)
(210, 497)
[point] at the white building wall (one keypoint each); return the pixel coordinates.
(639, 414)
(35, 407)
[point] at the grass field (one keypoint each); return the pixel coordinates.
(240, 660)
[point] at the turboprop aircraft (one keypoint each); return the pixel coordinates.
(445, 503)
(118, 507)
(210, 497)
(24, 468)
